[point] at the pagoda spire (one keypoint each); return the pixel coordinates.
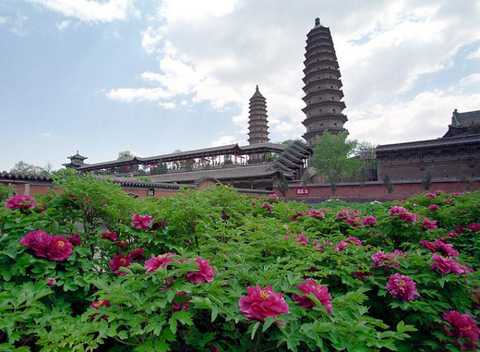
(323, 87)
(257, 119)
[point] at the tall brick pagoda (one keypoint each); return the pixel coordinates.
(257, 119)
(323, 87)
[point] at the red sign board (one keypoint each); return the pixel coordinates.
(301, 191)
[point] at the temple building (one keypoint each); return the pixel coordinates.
(455, 156)
(323, 87)
(259, 165)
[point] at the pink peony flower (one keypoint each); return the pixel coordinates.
(349, 216)
(136, 254)
(440, 246)
(310, 286)
(302, 239)
(267, 207)
(369, 220)
(75, 239)
(448, 266)
(100, 303)
(274, 197)
(319, 247)
(59, 249)
(51, 282)
(354, 240)
(402, 287)
(142, 222)
(475, 227)
(408, 217)
(119, 261)
(341, 245)
(397, 210)
(464, 328)
(386, 260)
(38, 241)
(317, 214)
(261, 303)
(160, 261)
(433, 207)
(431, 195)
(429, 224)
(21, 202)
(205, 272)
(110, 235)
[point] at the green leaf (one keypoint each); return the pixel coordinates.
(254, 329)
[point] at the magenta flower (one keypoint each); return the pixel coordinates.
(21, 202)
(100, 303)
(267, 207)
(433, 207)
(403, 214)
(136, 254)
(308, 287)
(302, 239)
(431, 195)
(408, 217)
(261, 303)
(205, 272)
(119, 261)
(181, 301)
(51, 282)
(429, 224)
(317, 214)
(75, 239)
(397, 210)
(402, 287)
(59, 249)
(349, 216)
(142, 222)
(369, 220)
(448, 266)
(386, 259)
(475, 227)
(345, 243)
(38, 241)
(440, 246)
(463, 328)
(319, 247)
(160, 261)
(110, 235)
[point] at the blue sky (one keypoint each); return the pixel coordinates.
(155, 76)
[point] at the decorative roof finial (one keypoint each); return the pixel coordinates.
(317, 22)
(256, 88)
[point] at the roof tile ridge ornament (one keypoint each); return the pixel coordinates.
(317, 22)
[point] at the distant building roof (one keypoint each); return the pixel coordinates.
(233, 149)
(227, 173)
(464, 124)
(430, 143)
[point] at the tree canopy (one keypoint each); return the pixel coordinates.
(333, 157)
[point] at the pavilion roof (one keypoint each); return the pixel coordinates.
(254, 171)
(232, 149)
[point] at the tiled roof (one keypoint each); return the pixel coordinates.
(122, 181)
(219, 174)
(452, 141)
(196, 153)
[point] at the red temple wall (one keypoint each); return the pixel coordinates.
(373, 191)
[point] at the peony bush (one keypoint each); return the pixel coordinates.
(91, 269)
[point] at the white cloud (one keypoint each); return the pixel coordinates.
(188, 10)
(216, 51)
(91, 10)
(15, 24)
(474, 55)
(224, 140)
(472, 81)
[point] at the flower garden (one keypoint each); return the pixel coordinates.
(91, 269)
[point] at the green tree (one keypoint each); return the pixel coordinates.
(333, 157)
(24, 168)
